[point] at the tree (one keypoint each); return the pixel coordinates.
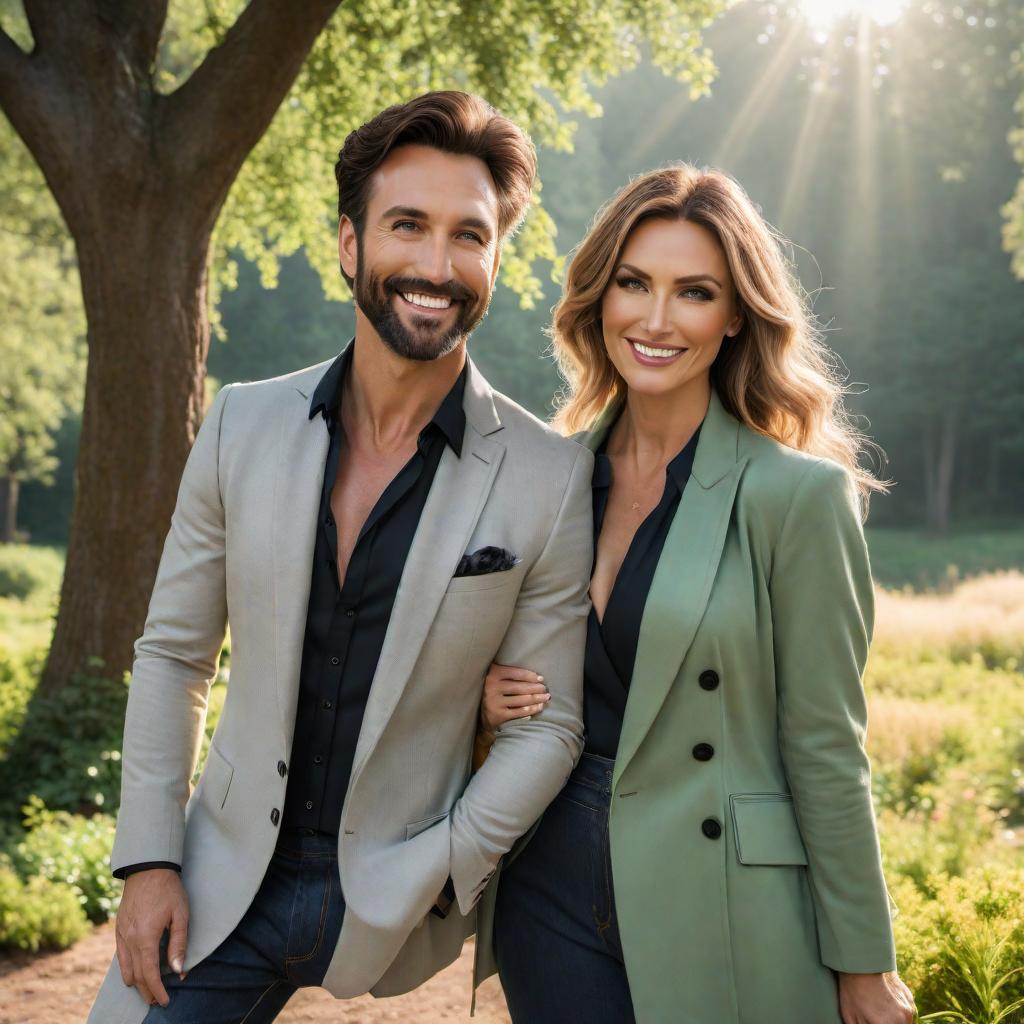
(141, 123)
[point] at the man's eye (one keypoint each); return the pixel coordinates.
(402, 225)
(472, 236)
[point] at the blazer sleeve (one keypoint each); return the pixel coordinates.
(530, 761)
(822, 601)
(175, 663)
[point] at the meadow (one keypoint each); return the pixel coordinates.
(946, 738)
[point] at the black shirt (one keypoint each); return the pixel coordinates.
(347, 619)
(612, 642)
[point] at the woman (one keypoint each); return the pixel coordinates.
(724, 786)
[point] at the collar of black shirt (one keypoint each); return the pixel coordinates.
(450, 417)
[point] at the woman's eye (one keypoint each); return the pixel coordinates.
(631, 284)
(697, 293)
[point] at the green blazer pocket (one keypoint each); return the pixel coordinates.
(416, 827)
(765, 828)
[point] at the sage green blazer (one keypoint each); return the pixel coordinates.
(744, 880)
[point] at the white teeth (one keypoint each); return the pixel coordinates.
(430, 301)
(655, 353)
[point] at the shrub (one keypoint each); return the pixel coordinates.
(29, 572)
(18, 675)
(961, 951)
(38, 914)
(68, 751)
(74, 850)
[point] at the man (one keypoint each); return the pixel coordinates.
(377, 529)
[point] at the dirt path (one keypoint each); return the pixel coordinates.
(58, 988)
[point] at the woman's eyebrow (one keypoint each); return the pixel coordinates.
(688, 279)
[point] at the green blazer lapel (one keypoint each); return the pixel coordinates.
(682, 582)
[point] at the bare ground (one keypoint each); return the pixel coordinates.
(58, 988)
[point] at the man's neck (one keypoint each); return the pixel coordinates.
(388, 400)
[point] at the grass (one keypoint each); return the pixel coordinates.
(906, 557)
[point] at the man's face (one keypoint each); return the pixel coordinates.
(427, 259)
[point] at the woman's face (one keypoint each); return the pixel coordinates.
(668, 306)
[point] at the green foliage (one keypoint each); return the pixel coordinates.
(30, 573)
(908, 557)
(42, 350)
(962, 945)
(38, 914)
(68, 751)
(71, 849)
(532, 61)
(18, 676)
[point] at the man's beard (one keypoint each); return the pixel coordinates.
(425, 341)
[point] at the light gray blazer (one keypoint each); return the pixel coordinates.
(239, 549)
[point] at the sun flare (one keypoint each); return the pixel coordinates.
(824, 13)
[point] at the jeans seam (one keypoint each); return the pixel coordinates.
(260, 998)
(290, 961)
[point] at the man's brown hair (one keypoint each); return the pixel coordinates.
(453, 122)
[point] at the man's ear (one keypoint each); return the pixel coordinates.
(348, 246)
(497, 266)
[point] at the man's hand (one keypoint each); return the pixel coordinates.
(875, 999)
(153, 900)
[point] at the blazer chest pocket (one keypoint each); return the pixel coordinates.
(216, 780)
(765, 828)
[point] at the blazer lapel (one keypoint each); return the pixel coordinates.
(686, 571)
(298, 482)
(457, 496)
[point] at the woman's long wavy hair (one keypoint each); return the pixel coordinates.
(776, 375)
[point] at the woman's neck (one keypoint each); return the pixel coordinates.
(653, 429)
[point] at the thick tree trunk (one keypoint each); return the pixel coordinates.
(144, 285)
(140, 178)
(8, 509)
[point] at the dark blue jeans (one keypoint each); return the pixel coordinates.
(284, 941)
(556, 936)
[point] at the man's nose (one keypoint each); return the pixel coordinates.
(435, 262)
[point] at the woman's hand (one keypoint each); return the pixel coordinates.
(875, 999)
(510, 693)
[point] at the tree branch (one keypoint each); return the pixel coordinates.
(215, 118)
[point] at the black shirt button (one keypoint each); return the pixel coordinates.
(330, 519)
(335, 661)
(711, 827)
(282, 769)
(327, 705)
(709, 679)
(703, 752)
(275, 816)
(350, 612)
(317, 759)
(309, 805)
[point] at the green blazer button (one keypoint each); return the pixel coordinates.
(711, 827)
(703, 752)
(709, 679)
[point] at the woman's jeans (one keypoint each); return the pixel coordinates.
(556, 936)
(284, 941)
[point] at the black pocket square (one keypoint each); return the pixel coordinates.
(489, 559)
